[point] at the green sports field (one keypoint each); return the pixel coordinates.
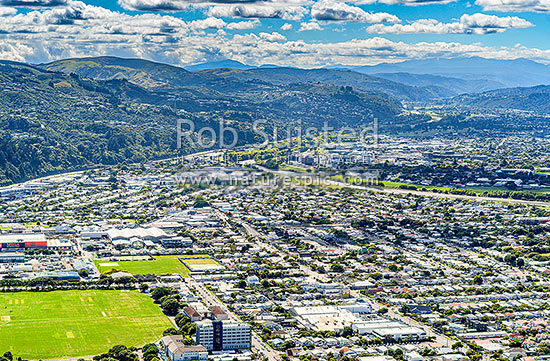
(202, 264)
(159, 266)
(61, 324)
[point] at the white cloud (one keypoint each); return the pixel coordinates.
(243, 25)
(208, 23)
(85, 30)
(7, 11)
(286, 26)
(92, 27)
(331, 10)
(33, 3)
(263, 10)
(277, 9)
(479, 20)
(540, 6)
(273, 37)
(14, 52)
(404, 2)
(153, 5)
(468, 24)
(310, 26)
(175, 5)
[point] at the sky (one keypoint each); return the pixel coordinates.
(302, 33)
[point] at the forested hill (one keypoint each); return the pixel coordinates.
(536, 99)
(52, 121)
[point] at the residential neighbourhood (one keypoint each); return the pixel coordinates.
(245, 270)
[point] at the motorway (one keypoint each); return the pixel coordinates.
(286, 173)
(333, 182)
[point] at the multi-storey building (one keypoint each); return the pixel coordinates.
(223, 335)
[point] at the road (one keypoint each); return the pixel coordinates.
(209, 299)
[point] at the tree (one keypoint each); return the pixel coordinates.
(376, 276)
(288, 345)
(428, 352)
(160, 292)
(83, 273)
(170, 331)
(347, 331)
(336, 267)
(520, 262)
(515, 342)
(478, 280)
(170, 307)
(119, 353)
(200, 202)
(150, 352)
(189, 329)
(188, 341)
(181, 319)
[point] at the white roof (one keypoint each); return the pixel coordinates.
(22, 237)
(139, 232)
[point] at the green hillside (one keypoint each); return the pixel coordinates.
(101, 112)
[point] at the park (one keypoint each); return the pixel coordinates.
(62, 324)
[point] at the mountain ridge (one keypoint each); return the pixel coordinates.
(157, 75)
(510, 72)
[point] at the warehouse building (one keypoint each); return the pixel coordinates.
(223, 335)
(387, 329)
(25, 241)
(12, 257)
(326, 318)
(151, 233)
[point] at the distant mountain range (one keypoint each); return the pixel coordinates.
(233, 64)
(74, 113)
(165, 82)
(153, 75)
(356, 80)
(413, 80)
(509, 73)
(141, 72)
(453, 86)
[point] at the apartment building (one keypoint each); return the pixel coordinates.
(223, 335)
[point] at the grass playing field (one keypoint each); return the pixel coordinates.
(159, 266)
(198, 264)
(46, 325)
